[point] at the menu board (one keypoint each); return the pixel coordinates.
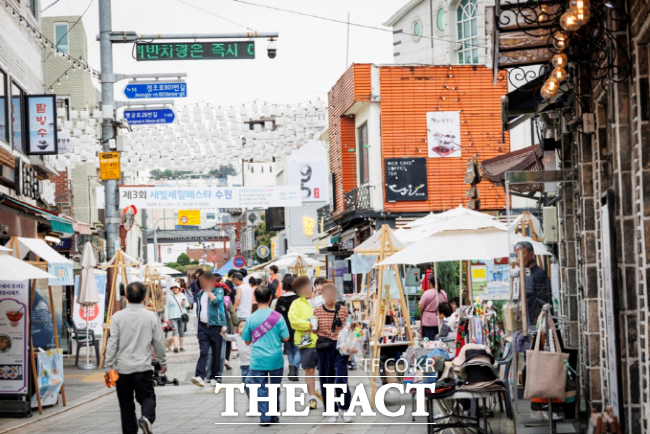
(406, 179)
(14, 299)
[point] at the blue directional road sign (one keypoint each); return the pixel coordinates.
(147, 117)
(155, 90)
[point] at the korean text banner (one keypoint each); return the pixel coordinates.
(41, 124)
(209, 197)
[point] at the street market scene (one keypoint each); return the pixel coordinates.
(372, 216)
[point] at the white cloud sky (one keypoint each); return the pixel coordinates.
(311, 52)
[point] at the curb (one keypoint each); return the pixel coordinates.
(60, 410)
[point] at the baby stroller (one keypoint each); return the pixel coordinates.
(158, 378)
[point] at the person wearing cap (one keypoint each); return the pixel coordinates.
(538, 285)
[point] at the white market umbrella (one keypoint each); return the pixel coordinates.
(5, 249)
(14, 270)
(432, 218)
(291, 259)
(88, 294)
(461, 245)
(458, 221)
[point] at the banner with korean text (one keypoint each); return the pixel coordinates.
(14, 301)
(209, 197)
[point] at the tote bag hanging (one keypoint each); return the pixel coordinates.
(545, 370)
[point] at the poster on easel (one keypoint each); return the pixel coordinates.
(41, 325)
(94, 313)
(14, 302)
(490, 279)
(49, 368)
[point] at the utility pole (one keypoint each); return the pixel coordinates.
(108, 129)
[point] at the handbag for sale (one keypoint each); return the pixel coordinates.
(546, 370)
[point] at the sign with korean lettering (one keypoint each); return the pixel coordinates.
(26, 183)
(40, 113)
(195, 50)
(191, 217)
(109, 165)
(311, 177)
(95, 313)
(209, 197)
(155, 90)
(406, 179)
(147, 117)
(14, 297)
(64, 142)
(443, 134)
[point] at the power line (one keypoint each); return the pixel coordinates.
(212, 13)
(70, 28)
(50, 6)
(364, 26)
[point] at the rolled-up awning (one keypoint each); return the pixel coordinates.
(530, 158)
(58, 224)
(525, 102)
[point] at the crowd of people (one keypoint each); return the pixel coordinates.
(292, 316)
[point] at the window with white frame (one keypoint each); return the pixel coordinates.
(362, 153)
(61, 38)
(467, 22)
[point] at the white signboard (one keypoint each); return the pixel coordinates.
(95, 314)
(209, 197)
(443, 134)
(311, 178)
(14, 298)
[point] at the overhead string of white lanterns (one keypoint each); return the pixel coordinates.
(206, 136)
(84, 130)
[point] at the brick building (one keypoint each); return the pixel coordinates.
(598, 125)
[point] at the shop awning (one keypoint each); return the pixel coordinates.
(79, 227)
(530, 158)
(40, 248)
(525, 102)
(58, 224)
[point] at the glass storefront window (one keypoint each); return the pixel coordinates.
(17, 117)
(4, 132)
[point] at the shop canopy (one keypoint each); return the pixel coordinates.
(58, 224)
(462, 245)
(292, 259)
(39, 248)
(14, 270)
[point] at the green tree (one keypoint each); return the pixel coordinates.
(183, 259)
(223, 171)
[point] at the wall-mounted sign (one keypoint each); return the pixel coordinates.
(191, 217)
(311, 177)
(405, 179)
(209, 197)
(149, 117)
(25, 181)
(40, 113)
(14, 299)
(302, 225)
(195, 50)
(64, 142)
(109, 165)
(443, 134)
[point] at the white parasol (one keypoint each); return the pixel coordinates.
(14, 270)
(460, 245)
(291, 259)
(88, 294)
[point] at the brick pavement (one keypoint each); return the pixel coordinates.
(187, 408)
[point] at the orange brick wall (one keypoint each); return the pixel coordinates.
(408, 93)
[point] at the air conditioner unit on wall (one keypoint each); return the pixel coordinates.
(549, 216)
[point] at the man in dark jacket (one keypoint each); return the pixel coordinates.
(282, 305)
(538, 285)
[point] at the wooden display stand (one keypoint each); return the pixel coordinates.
(299, 268)
(154, 299)
(118, 263)
(14, 245)
(385, 249)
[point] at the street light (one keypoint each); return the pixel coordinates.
(156, 257)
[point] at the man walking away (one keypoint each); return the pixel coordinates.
(265, 330)
(212, 316)
(134, 331)
(282, 305)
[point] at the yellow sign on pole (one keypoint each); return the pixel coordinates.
(189, 217)
(109, 165)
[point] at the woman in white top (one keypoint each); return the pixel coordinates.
(175, 306)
